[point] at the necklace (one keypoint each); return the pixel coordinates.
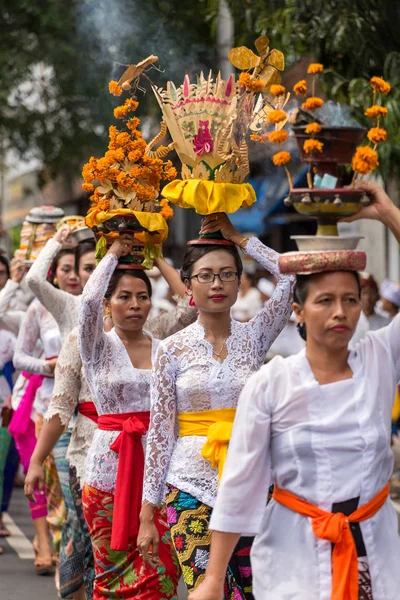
(222, 347)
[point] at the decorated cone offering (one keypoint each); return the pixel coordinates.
(208, 121)
(126, 190)
(39, 226)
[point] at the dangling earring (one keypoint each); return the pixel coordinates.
(192, 302)
(301, 328)
(55, 281)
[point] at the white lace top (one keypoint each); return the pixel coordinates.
(116, 386)
(70, 389)
(63, 306)
(187, 378)
(38, 323)
(7, 345)
(14, 301)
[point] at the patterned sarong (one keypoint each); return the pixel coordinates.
(123, 574)
(188, 519)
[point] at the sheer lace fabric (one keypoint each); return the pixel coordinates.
(14, 301)
(38, 324)
(187, 378)
(71, 389)
(63, 306)
(7, 346)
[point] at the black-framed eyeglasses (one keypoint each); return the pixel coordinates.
(224, 277)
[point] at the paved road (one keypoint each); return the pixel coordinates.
(18, 580)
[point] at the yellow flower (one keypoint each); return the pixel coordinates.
(380, 85)
(87, 187)
(315, 68)
(278, 137)
(300, 88)
(260, 138)
(277, 90)
(166, 211)
(247, 81)
(276, 116)
(281, 158)
(376, 135)
(114, 88)
(365, 160)
(312, 103)
(313, 128)
(312, 145)
(376, 111)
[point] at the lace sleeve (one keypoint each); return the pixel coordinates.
(270, 321)
(91, 330)
(161, 436)
(170, 322)
(7, 347)
(67, 382)
(24, 358)
(56, 301)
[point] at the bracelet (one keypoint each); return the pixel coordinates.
(243, 241)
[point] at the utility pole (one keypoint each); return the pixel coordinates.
(225, 38)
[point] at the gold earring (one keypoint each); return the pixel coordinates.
(107, 312)
(55, 281)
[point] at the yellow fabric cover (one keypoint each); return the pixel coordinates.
(208, 197)
(396, 407)
(217, 426)
(153, 222)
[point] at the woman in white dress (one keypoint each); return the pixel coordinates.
(198, 376)
(318, 426)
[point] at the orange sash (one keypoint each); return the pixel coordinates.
(335, 528)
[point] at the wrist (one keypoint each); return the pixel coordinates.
(390, 216)
(147, 513)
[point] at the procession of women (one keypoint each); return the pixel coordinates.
(235, 441)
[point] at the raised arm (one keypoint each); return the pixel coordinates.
(24, 356)
(172, 277)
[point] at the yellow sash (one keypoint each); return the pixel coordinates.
(396, 407)
(217, 426)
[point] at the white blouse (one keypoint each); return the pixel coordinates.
(326, 444)
(63, 306)
(116, 386)
(7, 346)
(14, 301)
(187, 378)
(38, 324)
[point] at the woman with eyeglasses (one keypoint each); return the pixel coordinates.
(198, 376)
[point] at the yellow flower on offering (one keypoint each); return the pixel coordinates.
(281, 158)
(276, 116)
(365, 160)
(87, 187)
(315, 68)
(114, 88)
(376, 111)
(376, 135)
(380, 85)
(312, 103)
(312, 128)
(312, 145)
(278, 137)
(300, 88)
(166, 211)
(260, 138)
(277, 90)
(252, 84)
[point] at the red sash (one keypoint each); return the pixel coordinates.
(88, 409)
(129, 485)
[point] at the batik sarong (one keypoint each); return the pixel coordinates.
(123, 574)
(188, 519)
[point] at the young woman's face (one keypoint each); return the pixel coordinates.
(214, 296)
(130, 304)
(68, 280)
(331, 310)
(87, 265)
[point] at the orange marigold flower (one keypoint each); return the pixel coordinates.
(260, 138)
(365, 160)
(277, 90)
(300, 88)
(313, 128)
(166, 211)
(278, 137)
(312, 145)
(87, 187)
(103, 204)
(380, 85)
(376, 135)
(114, 88)
(247, 81)
(315, 68)
(312, 103)
(281, 158)
(276, 116)
(376, 111)
(170, 173)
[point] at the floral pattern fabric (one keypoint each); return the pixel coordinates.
(123, 574)
(189, 519)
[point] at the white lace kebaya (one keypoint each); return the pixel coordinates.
(187, 378)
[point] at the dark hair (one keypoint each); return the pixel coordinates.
(5, 262)
(195, 252)
(56, 260)
(301, 292)
(117, 276)
(82, 249)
